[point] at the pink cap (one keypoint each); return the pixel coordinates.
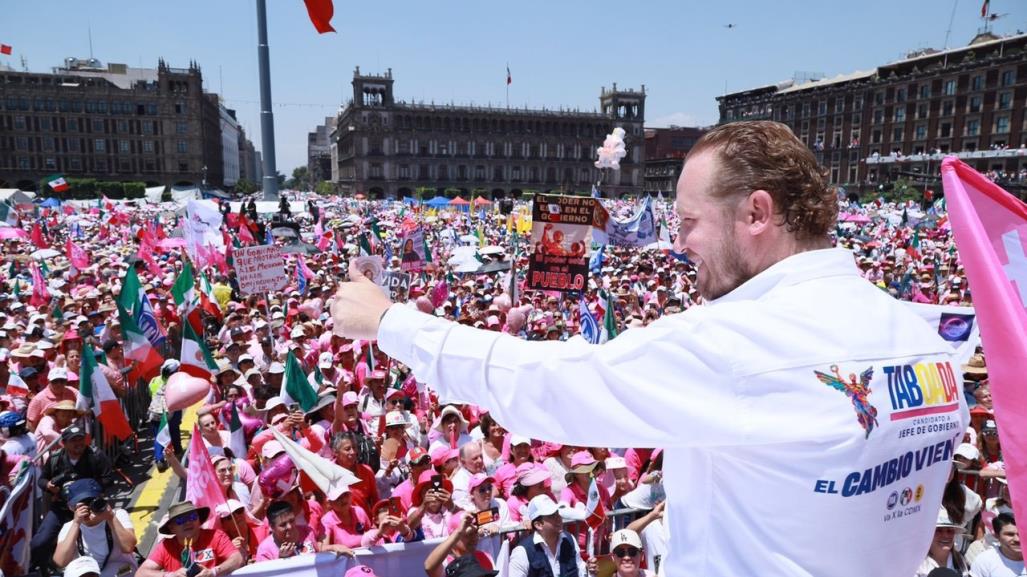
(529, 474)
(349, 398)
(479, 479)
(582, 458)
(442, 454)
(360, 571)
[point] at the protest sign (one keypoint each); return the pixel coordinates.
(560, 235)
(260, 269)
(394, 282)
(412, 251)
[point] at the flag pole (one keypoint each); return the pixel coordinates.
(267, 117)
(508, 85)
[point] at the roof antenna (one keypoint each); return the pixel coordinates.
(951, 19)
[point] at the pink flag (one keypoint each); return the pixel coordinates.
(307, 273)
(201, 486)
(990, 228)
(439, 294)
(245, 236)
(77, 256)
(37, 237)
(40, 294)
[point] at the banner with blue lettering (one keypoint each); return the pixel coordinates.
(147, 321)
(639, 230)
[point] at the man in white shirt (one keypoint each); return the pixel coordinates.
(98, 530)
(471, 462)
(548, 541)
(1005, 560)
(799, 400)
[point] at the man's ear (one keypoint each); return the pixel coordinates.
(759, 211)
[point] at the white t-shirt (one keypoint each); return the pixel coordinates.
(805, 389)
(20, 445)
(94, 544)
(971, 508)
(992, 563)
(654, 541)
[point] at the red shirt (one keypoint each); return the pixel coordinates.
(210, 548)
(365, 493)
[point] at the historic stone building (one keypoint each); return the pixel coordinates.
(113, 122)
(319, 152)
(384, 148)
(900, 119)
(665, 151)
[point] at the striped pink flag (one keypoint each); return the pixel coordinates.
(990, 228)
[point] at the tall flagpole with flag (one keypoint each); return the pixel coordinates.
(509, 80)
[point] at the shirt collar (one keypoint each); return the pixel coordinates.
(792, 270)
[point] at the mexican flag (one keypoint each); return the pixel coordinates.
(196, 359)
(138, 347)
(131, 290)
(57, 183)
(237, 441)
(295, 386)
(608, 330)
(184, 293)
(163, 438)
(8, 214)
(207, 301)
(95, 393)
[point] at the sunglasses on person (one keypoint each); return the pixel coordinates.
(486, 488)
(625, 552)
(396, 401)
(187, 518)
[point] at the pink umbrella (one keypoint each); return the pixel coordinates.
(12, 233)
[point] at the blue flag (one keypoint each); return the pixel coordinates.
(301, 279)
(147, 321)
(595, 264)
(268, 239)
(589, 326)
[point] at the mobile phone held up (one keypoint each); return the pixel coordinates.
(487, 516)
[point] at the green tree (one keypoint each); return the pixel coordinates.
(245, 186)
(425, 192)
(300, 179)
(325, 187)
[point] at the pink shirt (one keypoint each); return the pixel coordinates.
(348, 534)
(268, 549)
(435, 524)
(405, 492)
(45, 398)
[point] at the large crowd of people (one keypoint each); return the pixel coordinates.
(445, 473)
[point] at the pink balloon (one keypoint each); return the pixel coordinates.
(277, 478)
(184, 390)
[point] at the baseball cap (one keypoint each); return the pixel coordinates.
(297, 333)
(57, 374)
(529, 474)
(968, 451)
(276, 368)
(82, 490)
(417, 454)
(360, 571)
(72, 432)
(395, 419)
(271, 449)
(519, 440)
(541, 506)
(625, 537)
(468, 566)
(85, 565)
(479, 479)
(349, 398)
(325, 360)
(225, 509)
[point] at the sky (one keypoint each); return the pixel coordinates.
(560, 52)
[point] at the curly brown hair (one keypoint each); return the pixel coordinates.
(765, 155)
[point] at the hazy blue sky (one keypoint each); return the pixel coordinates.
(560, 52)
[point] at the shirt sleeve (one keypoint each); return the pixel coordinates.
(662, 386)
(518, 562)
(222, 546)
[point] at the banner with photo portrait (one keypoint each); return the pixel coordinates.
(411, 251)
(561, 234)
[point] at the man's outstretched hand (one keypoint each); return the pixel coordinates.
(359, 305)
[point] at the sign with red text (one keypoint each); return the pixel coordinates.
(561, 228)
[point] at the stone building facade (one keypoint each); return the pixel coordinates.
(385, 148)
(113, 122)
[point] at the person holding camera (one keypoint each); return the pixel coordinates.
(98, 530)
(75, 460)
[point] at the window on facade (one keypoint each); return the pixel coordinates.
(23, 163)
(1002, 124)
(922, 111)
(973, 127)
(19, 122)
(921, 132)
(875, 137)
(945, 130)
(21, 143)
(182, 146)
(900, 95)
(497, 173)
(100, 145)
(123, 146)
(122, 127)
(1005, 100)
(1008, 78)
(822, 107)
(71, 124)
(977, 82)
(147, 127)
(900, 114)
(878, 116)
(49, 144)
(97, 125)
(183, 167)
(75, 164)
(879, 97)
(44, 123)
(896, 135)
(404, 171)
(179, 108)
(147, 146)
(839, 104)
(947, 108)
(925, 90)
(949, 88)
(100, 164)
(73, 145)
(974, 104)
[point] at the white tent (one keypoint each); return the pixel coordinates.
(154, 194)
(184, 193)
(15, 197)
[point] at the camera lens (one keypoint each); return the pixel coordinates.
(99, 505)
